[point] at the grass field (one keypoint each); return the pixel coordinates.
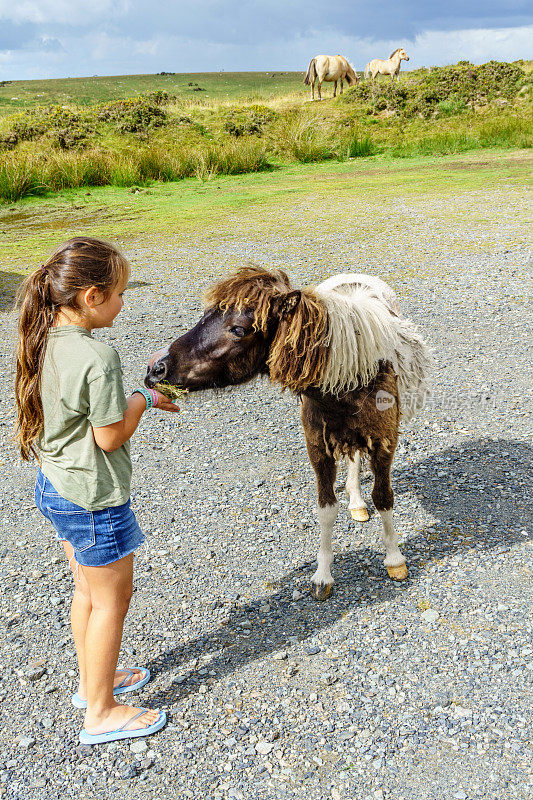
(134, 130)
(269, 202)
(19, 95)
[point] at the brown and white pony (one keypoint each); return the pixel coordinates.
(329, 68)
(344, 348)
(389, 66)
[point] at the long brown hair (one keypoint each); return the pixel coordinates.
(78, 264)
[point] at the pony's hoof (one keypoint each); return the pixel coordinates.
(398, 573)
(359, 514)
(321, 591)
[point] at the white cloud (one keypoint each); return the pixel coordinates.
(107, 54)
(63, 12)
(483, 44)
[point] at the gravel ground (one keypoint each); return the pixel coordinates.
(418, 690)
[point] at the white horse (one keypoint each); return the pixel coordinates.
(389, 67)
(329, 68)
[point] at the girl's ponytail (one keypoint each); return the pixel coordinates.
(78, 264)
(36, 317)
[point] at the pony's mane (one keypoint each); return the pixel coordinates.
(299, 353)
(336, 335)
(299, 349)
(249, 287)
(366, 328)
(396, 51)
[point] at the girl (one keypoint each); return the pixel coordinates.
(72, 415)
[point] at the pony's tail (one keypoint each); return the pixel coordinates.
(35, 319)
(311, 72)
(367, 70)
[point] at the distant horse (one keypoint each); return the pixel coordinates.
(344, 347)
(389, 67)
(329, 68)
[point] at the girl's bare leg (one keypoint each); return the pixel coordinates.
(80, 611)
(110, 590)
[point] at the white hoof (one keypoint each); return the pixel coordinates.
(359, 514)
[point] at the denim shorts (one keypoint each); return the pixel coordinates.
(97, 537)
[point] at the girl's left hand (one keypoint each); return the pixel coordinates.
(164, 403)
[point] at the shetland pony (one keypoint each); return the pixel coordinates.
(329, 68)
(389, 66)
(358, 365)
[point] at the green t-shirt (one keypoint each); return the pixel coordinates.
(81, 388)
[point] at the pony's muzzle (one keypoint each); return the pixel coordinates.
(156, 373)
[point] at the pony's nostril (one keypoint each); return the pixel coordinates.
(159, 370)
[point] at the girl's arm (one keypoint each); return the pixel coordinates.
(111, 437)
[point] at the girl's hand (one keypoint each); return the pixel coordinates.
(164, 403)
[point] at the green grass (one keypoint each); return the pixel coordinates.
(168, 138)
(190, 210)
(19, 95)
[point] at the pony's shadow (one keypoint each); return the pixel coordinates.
(482, 500)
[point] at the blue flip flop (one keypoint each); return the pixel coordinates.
(121, 733)
(120, 689)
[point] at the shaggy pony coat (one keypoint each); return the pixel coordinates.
(333, 337)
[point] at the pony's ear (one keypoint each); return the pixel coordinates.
(283, 305)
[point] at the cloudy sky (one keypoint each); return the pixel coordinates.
(58, 38)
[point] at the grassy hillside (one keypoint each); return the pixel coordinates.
(19, 95)
(203, 86)
(158, 136)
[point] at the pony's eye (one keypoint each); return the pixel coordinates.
(237, 331)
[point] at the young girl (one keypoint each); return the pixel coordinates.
(73, 416)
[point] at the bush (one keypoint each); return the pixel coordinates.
(248, 120)
(454, 105)
(136, 115)
(35, 122)
(442, 90)
(64, 127)
(8, 140)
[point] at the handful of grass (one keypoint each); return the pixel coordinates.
(172, 392)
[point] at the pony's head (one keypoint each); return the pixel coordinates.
(351, 76)
(254, 323)
(401, 52)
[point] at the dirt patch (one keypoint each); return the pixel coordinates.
(48, 218)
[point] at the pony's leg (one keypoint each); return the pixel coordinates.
(383, 497)
(357, 505)
(313, 89)
(319, 89)
(335, 89)
(325, 470)
(341, 86)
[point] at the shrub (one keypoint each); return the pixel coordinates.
(136, 115)
(159, 97)
(442, 90)
(34, 122)
(65, 128)
(248, 120)
(453, 105)
(8, 140)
